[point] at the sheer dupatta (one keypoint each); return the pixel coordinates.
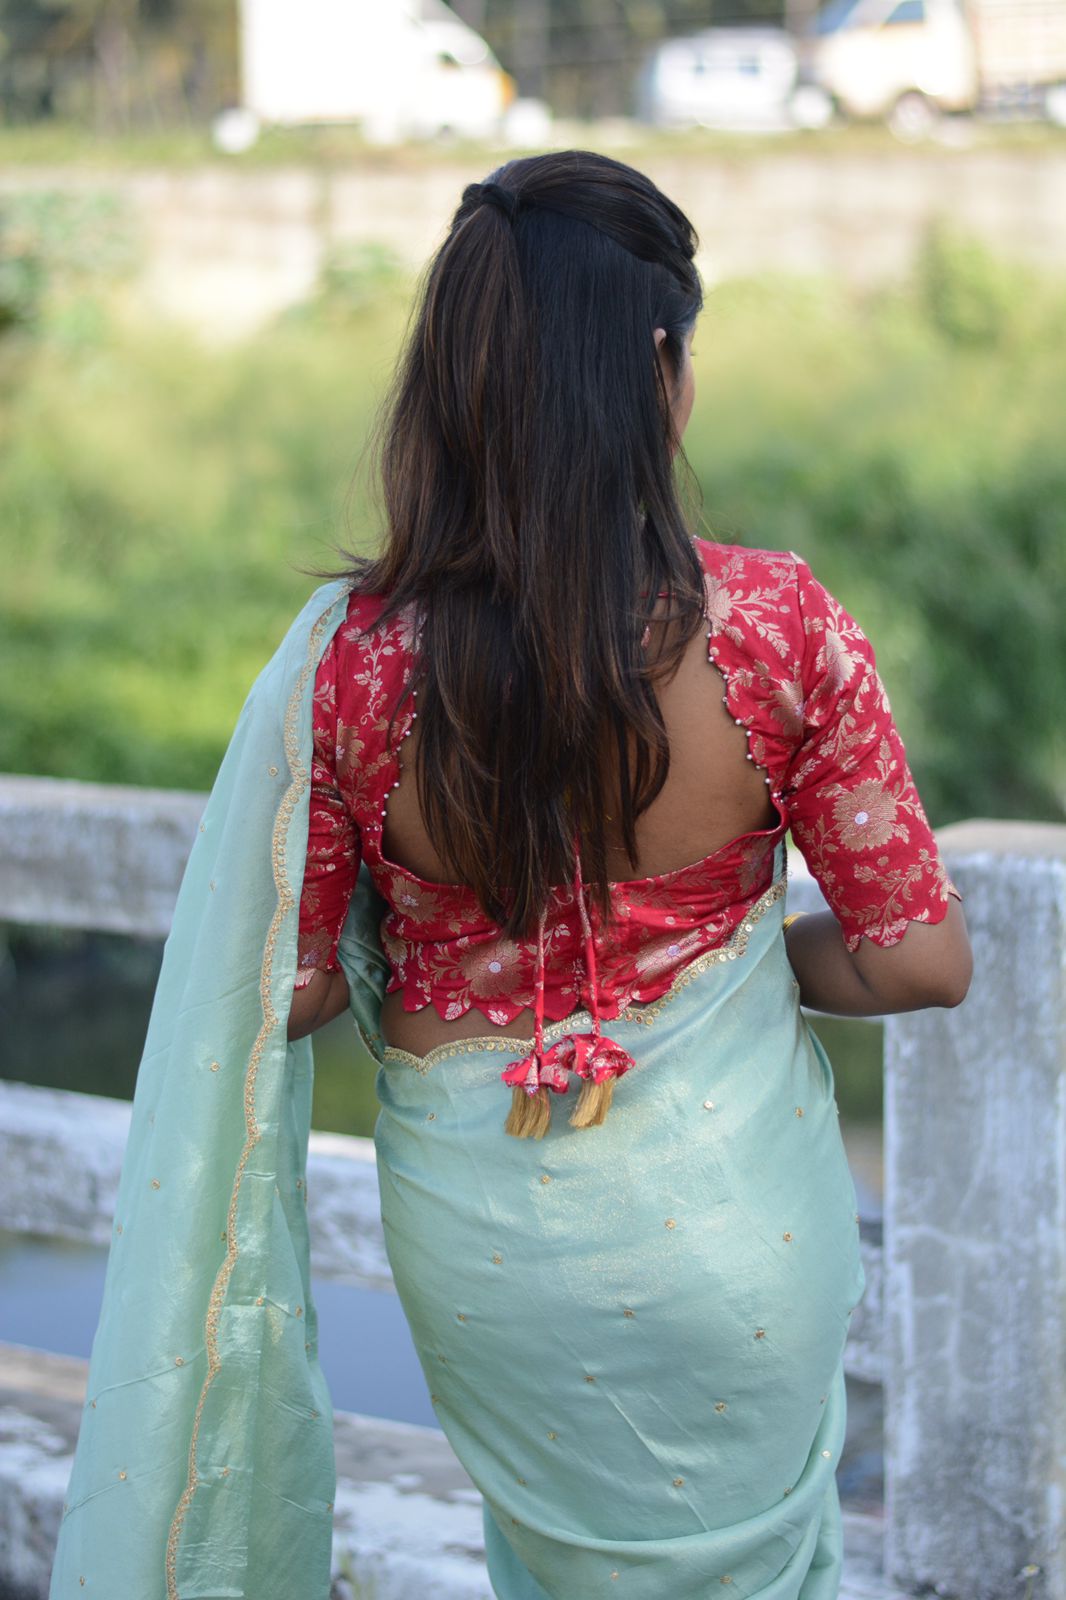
(204, 1467)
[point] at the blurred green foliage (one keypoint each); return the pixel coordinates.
(354, 277)
(117, 64)
(57, 246)
(970, 295)
(159, 498)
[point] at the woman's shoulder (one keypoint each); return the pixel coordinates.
(752, 561)
(762, 577)
(758, 594)
(367, 663)
(370, 626)
(753, 596)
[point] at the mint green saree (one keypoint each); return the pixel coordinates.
(632, 1333)
(204, 1467)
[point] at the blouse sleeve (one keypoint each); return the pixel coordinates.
(333, 843)
(853, 808)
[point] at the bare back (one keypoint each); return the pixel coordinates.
(713, 794)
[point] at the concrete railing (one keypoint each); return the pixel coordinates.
(964, 1317)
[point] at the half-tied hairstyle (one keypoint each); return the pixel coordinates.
(526, 456)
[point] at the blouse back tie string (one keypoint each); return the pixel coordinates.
(530, 1113)
(594, 1057)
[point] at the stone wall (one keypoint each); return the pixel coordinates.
(226, 249)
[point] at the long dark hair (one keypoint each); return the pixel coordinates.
(525, 455)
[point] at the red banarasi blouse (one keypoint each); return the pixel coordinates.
(799, 676)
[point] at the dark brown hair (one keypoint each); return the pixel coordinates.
(525, 456)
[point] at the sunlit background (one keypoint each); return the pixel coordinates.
(211, 219)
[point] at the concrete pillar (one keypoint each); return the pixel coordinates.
(975, 1241)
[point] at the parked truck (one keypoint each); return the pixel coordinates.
(398, 68)
(910, 61)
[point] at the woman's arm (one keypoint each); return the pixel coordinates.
(931, 965)
(317, 1003)
(894, 938)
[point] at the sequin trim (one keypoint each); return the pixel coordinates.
(300, 776)
(578, 1021)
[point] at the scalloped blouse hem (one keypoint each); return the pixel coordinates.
(893, 932)
(644, 1012)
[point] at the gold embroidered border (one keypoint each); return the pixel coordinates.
(644, 1014)
(286, 900)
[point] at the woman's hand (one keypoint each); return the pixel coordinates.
(930, 966)
(324, 998)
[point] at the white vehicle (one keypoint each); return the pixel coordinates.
(911, 60)
(399, 68)
(722, 78)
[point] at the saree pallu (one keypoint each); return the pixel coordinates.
(633, 1334)
(204, 1466)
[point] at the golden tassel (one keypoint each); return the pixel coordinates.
(530, 1114)
(593, 1103)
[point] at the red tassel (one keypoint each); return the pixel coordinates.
(532, 1077)
(598, 1060)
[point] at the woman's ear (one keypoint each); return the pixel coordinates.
(663, 356)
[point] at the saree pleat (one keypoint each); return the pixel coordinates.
(633, 1334)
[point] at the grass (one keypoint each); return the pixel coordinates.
(55, 143)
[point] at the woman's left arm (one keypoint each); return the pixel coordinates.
(895, 936)
(931, 965)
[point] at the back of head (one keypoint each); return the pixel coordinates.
(526, 458)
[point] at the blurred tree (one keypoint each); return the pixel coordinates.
(117, 63)
(27, 84)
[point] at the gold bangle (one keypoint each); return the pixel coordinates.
(791, 918)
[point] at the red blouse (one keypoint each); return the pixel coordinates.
(800, 676)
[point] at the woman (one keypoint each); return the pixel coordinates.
(522, 779)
